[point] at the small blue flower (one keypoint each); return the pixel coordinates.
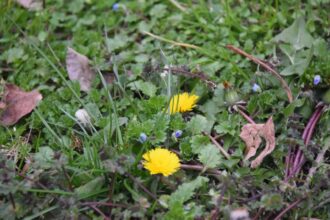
(256, 87)
(143, 137)
(317, 79)
(115, 7)
(177, 133)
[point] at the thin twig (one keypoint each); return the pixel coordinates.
(288, 208)
(178, 5)
(105, 204)
(248, 118)
(199, 168)
(100, 212)
(12, 201)
(142, 186)
(256, 217)
(67, 178)
(197, 75)
(111, 189)
(222, 150)
(171, 41)
(264, 65)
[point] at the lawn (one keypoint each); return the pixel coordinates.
(149, 109)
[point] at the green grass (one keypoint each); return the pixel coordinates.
(49, 160)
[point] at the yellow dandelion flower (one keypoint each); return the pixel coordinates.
(183, 102)
(161, 161)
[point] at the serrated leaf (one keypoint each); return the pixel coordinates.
(225, 127)
(210, 156)
(198, 142)
(119, 41)
(161, 123)
(44, 157)
(296, 35)
(199, 123)
(147, 88)
(272, 201)
(186, 191)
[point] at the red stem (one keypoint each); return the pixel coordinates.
(291, 206)
(311, 129)
(267, 67)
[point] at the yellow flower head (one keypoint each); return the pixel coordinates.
(161, 161)
(183, 102)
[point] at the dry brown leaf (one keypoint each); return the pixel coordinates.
(33, 5)
(79, 69)
(17, 104)
(2, 105)
(251, 134)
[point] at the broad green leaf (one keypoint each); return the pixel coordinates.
(225, 127)
(158, 11)
(186, 191)
(198, 142)
(161, 123)
(272, 201)
(147, 88)
(300, 63)
(45, 157)
(296, 35)
(90, 187)
(198, 124)
(119, 41)
(210, 156)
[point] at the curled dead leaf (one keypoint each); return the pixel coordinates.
(17, 104)
(79, 69)
(33, 5)
(251, 134)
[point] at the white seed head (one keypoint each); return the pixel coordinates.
(83, 117)
(239, 214)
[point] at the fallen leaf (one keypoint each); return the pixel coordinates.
(79, 69)
(251, 134)
(32, 5)
(17, 104)
(2, 105)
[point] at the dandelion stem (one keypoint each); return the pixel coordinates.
(288, 208)
(248, 118)
(199, 168)
(222, 150)
(264, 65)
(100, 212)
(141, 186)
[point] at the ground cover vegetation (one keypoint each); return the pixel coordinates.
(154, 109)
